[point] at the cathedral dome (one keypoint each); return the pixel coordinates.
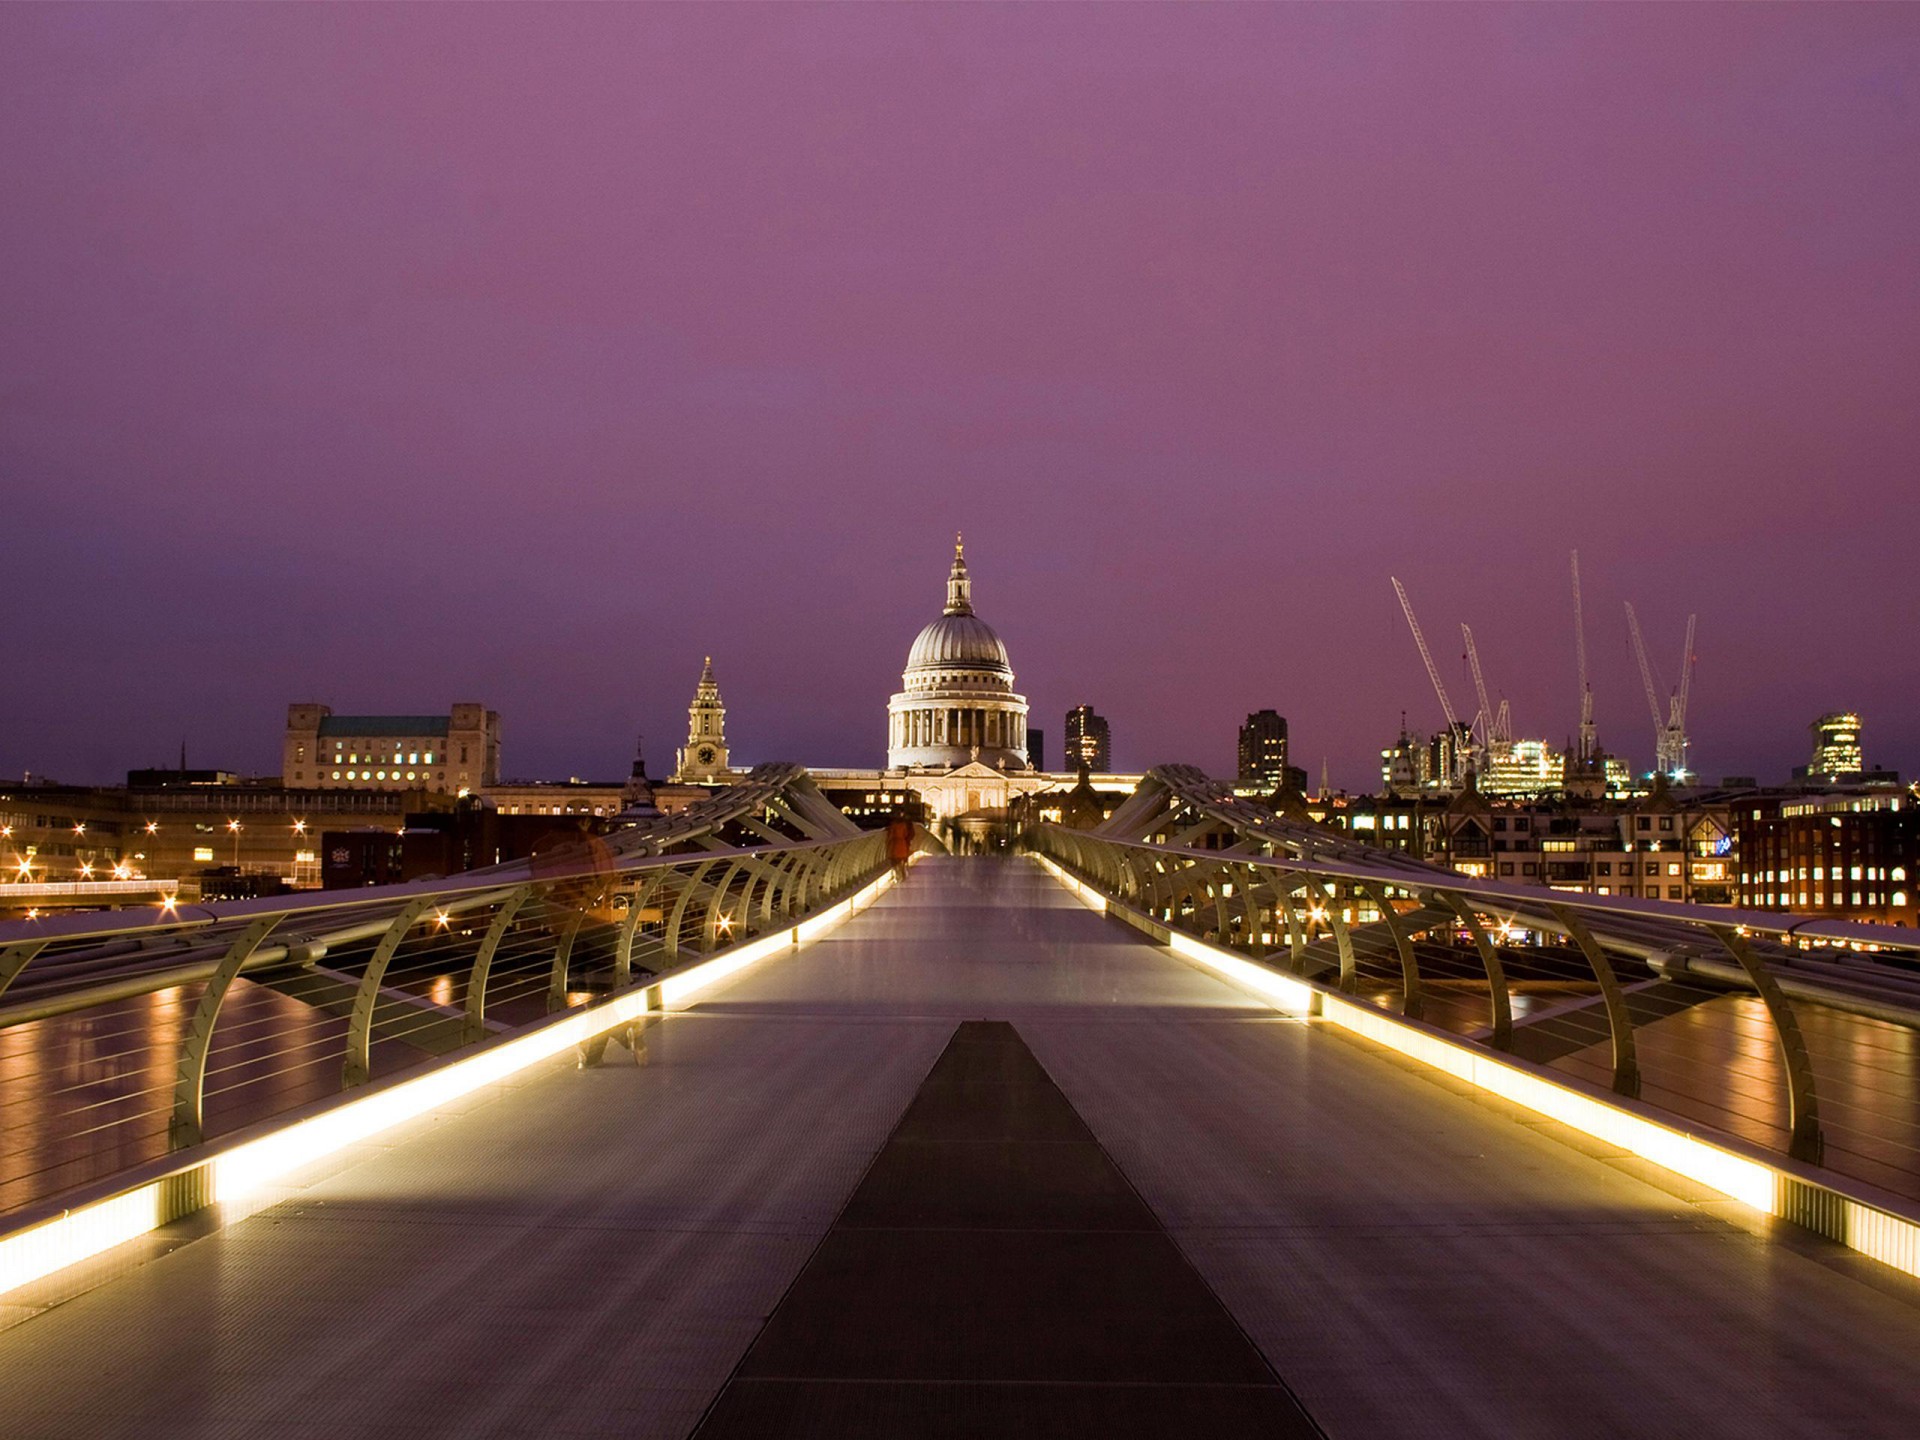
(963, 640)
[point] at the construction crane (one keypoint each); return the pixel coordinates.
(1462, 753)
(1496, 729)
(1587, 746)
(1669, 730)
(1677, 741)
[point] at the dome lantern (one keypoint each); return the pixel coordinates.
(959, 587)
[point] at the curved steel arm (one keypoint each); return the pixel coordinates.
(16, 958)
(1803, 1104)
(562, 961)
(1499, 998)
(359, 1068)
(474, 1026)
(1412, 1003)
(1626, 1065)
(188, 1125)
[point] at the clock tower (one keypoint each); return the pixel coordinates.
(705, 755)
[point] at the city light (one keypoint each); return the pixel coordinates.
(153, 827)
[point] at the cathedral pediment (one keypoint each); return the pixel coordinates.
(976, 770)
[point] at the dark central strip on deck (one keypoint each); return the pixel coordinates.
(995, 1274)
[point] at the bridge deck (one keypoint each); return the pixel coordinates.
(594, 1252)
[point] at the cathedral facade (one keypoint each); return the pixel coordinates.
(956, 704)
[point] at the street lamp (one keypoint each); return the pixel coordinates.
(233, 828)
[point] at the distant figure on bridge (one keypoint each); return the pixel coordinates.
(899, 843)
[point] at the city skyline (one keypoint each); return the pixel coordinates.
(544, 403)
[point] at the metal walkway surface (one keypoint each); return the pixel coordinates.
(598, 1252)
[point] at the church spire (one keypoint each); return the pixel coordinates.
(959, 587)
(706, 750)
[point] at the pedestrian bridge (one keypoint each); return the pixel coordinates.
(958, 1156)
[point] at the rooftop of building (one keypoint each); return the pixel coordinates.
(382, 726)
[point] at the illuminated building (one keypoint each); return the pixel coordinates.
(956, 704)
(1524, 767)
(704, 757)
(1844, 856)
(440, 754)
(1263, 750)
(1836, 745)
(1089, 740)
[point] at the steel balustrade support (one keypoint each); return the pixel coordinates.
(690, 884)
(711, 927)
(1626, 1064)
(1249, 884)
(563, 963)
(623, 939)
(779, 886)
(1499, 997)
(800, 885)
(188, 1125)
(1296, 932)
(359, 1066)
(1412, 1002)
(1342, 940)
(16, 958)
(1214, 886)
(474, 1026)
(1803, 1106)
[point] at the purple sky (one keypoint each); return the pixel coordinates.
(390, 357)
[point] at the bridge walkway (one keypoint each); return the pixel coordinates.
(592, 1252)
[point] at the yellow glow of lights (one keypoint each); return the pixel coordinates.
(440, 918)
(76, 1235)
(80, 829)
(1086, 894)
(153, 827)
(242, 1174)
(234, 826)
(1734, 1176)
(299, 827)
(1286, 994)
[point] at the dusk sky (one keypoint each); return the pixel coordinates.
(395, 356)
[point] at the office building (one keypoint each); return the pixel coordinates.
(1089, 740)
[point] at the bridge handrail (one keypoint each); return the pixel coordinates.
(416, 970)
(1400, 935)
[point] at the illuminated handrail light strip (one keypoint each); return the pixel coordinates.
(1891, 1239)
(245, 1170)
